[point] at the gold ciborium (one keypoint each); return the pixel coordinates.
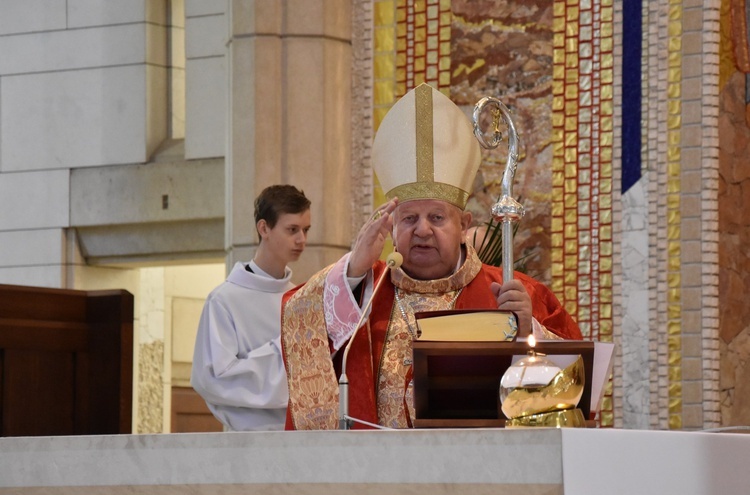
(534, 391)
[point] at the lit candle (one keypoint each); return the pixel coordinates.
(531, 371)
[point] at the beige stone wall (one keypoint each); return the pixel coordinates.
(289, 71)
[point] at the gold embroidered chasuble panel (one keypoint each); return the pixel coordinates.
(395, 398)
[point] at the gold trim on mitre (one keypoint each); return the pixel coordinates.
(425, 149)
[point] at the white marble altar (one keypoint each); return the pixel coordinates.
(529, 462)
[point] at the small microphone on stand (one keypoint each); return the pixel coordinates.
(393, 260)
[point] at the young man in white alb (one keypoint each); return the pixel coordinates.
(237, 366)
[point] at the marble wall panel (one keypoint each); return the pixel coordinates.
(33, 276)
(147, 243)
(32, 16)
(317, 153)
(319, 18)
(34, 200)
(206, 33)
(206, 36)
(131, 194)
(30, 247)
(734, 255)
(504, 49)
(85, 13)
(250, 16)
(82, 118)
(74, 49)
(207, 7)
(634, 343)
(158, 96)
(206, 107)
(255, 142)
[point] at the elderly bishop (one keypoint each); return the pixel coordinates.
(426, 158)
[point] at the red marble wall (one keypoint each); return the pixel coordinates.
(734, 250)
(504, 49)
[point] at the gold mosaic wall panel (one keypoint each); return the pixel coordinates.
(566, 108)
(582, 167)
(674, 152)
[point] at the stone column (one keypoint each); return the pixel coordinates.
(289, 120)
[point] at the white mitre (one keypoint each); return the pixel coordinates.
(425, 149)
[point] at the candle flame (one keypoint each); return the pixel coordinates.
(532, 340)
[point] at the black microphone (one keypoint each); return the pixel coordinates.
(393, 260)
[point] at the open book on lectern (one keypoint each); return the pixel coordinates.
(495, 329)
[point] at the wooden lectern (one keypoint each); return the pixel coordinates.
(66, 361)
(457, 384)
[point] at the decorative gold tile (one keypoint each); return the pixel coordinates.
(571, 217)
(674, 29)
(419, 21)
(571, 262)
(674, 373)
(570, 305)
(673, 262)
(571, 92)
(674, 343)
(558, 178)
(674, 75)
(383, 66)
(673, 186)
(383, 40)
(570, 186)
(400, 88)
(383, 13)
(675, 420)
(571, 45)
(674, 311)
(383, 93)
(557, 241)
(674, 295)
(571, 294)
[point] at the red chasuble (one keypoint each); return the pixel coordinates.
(379, 363)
